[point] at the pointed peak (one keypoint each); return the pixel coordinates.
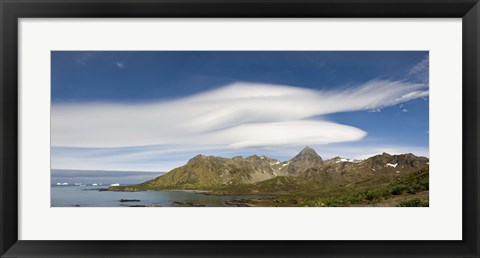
(308, 150)
(307, 158)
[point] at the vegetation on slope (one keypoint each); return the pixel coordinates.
(365, 193)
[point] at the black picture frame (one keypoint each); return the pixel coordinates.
(12, 10)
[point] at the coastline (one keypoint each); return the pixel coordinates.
(187, 191)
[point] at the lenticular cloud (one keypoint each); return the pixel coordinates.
(240, 115)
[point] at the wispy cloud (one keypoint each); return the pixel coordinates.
(241, 115)
(147, 158)
(120, 65)
(420, 71)
(422, 66)
(84, 58)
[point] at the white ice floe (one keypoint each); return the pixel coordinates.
(115, 185)
(391, 165)
(94, 184)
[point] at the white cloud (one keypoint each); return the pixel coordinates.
(301, 132)
(241, 115)
(421, 67)
(405, 110)
(420, 71)
(120, 65)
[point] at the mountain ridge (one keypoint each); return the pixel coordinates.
(211, 172)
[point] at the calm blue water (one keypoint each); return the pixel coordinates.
(85, 194)
(73, 196)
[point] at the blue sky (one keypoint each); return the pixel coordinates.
(152, 111)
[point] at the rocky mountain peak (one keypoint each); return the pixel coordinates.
(307, 158)
(307, 153)
(197, 159)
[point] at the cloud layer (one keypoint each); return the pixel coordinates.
(164, 158)
(240, 115)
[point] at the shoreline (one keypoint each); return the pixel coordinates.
(183, 190)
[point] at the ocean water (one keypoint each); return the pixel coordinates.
(78, 196)
(73, 188)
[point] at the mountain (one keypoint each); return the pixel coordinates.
(340, 170)
(210, 172)
(203, 172)
(306, 159)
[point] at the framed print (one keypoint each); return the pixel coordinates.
(238, 127)
(278, 128)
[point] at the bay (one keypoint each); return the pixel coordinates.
(82, 188)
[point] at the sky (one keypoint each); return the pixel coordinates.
(154, 110)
